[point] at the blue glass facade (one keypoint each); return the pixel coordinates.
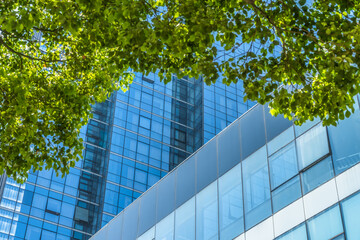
(293, 183)
(132, 141)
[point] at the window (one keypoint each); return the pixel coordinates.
(326, 225)
(298, 233)
(344, 141)
(165, 228)
(256, 188)
(351, 213)
(144, 122)
(185, 221)
(312, 145)
(317, 175)
(149, 235)
(207, 213)
(53, 206)
(281, 140)
(283, 165)
(231, 204)
(286, 194)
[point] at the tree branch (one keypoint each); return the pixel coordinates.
(26, 56)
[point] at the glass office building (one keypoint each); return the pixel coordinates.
(133, 140)
(260, 178)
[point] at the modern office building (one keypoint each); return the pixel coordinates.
(133, 140)
(261, 178)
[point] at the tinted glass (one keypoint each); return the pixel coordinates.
(305, 126)
(298, 233)
(231, 215)
(165, 228)
(275, 125)
(185, 181)
(351, 213)
(312, 145)
(206, 165)
(317, 175)
(326, 225)
(286, 194)
(281, 140)
(229, 147)
(115, 228)
(283, 165)
(207, 213)
(344, 141)
(185, 221)
(256, 188)
(130, 222)
(252, 131)
(165, 196)
(149, 235)
(147, 213)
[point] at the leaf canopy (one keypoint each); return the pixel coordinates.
(57, 58)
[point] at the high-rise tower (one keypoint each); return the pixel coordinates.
(133, 140)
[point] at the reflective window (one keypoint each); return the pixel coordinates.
(165, 228)
(283, 165)
(185, 221)
(252, 131)
(206, 165)
(229, 148)
(256, 188)
(147, 211)
(185, 181)
(281, 140)
(275, 125)
(326, 225)
(231, 204)
(351, 213)
(305, 126)
(312, 145)
(298, 233)
(166, 196)
(317, 175)
(207, 213)
(286, 194)
(149, 235)
(344, 141)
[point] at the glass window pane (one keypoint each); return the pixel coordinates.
(305, 126)
(312, 145)
(185, 221)
(252, 131)
(298, 233)
(207, 213)
(317, 175)
(165, 228)
(286, 194)
(185, 181)
(351, 213)
(206, 165)
(344, 141)
(147, 211)
(166, 199)
(229, 148)
(275, 125)
(149, 235)
(283, 165)
(130, 222)
(231, 204)
(326, 225)
(281, 140)
(256, 188)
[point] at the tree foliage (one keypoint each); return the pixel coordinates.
(60, 56)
